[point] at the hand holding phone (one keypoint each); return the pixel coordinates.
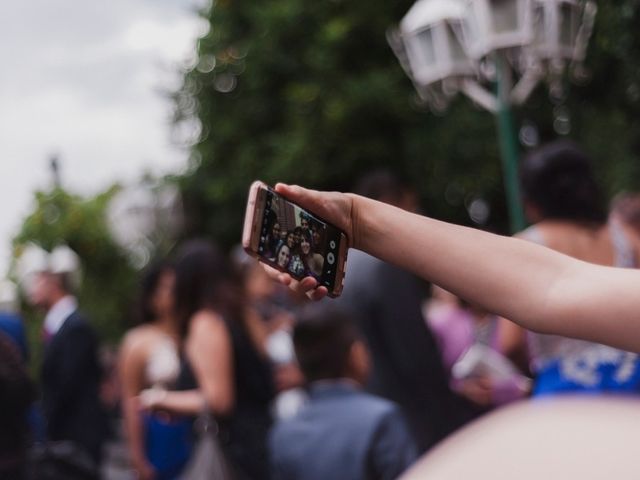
(294, 240)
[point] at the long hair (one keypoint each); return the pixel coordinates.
(558, 179)
(147, 289)
(204, 280)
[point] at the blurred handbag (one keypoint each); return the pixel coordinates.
(208, 461)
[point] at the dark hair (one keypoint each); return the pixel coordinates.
(148, 286)
(381, 184)
(307, 235)
(558, 179)
(322, 338)
(204, 279)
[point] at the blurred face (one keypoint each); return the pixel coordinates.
(259, 285)
(296, 236)
(39, 290)
(305, 246)
(291, 240)
(275, 231)
(305, 224)
(163, 300)
(316, 237)
(283, 256)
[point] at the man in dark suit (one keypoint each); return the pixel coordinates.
(387, 303)
(342, 433)
(71, 372)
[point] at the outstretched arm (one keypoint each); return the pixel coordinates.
(534, 286)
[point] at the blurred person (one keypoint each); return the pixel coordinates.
(467, 337)
(564, 202)
(17, 394)
(342, 432)
(10, 320)
(225, 367)
(12, 325)
(159, 442)
(272, 304)
(625, 210)
(71, 374)
(387, 302)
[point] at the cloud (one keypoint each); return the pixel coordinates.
(83, 79)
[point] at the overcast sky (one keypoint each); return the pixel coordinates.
(83, 80)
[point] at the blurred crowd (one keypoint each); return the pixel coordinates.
(353, 388)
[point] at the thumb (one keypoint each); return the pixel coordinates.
(297, 194)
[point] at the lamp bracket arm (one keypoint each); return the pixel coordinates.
(479, 95)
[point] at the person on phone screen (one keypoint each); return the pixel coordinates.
(283, 255)
(312, 261)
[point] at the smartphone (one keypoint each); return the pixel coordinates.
(294, 240)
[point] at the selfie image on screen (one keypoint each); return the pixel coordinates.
(297, 241)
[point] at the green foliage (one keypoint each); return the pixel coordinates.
(310, 92)
(60, 217)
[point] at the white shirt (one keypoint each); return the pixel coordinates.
(59, 313)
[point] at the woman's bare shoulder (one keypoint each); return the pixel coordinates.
(141, 337)
(204, 321)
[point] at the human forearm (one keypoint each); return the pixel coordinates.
(187, 402)
(504, 275)
(538, 288)
(133, 428)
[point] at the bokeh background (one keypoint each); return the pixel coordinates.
(100, 100)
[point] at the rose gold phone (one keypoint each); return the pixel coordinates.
(294, 240)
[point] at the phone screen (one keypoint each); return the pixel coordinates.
(297, 241)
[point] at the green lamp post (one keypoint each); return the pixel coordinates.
(468, 46)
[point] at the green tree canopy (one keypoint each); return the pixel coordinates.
(60, 217)
(310, 92)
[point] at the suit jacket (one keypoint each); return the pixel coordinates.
(71, 376)
(407, 366)
(342, 433)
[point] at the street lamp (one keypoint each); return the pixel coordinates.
(451, 46)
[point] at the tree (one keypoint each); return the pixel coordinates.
(108, 281)
(310, 92)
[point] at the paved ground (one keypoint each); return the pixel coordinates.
(116, 464)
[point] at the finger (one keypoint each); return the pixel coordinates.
(277, 275)
(303, 196)
(318, 293)
(307, 284)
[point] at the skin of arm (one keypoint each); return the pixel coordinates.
(209, 350)
(131, 364)
(538, 288)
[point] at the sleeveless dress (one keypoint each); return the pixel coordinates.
(568, 365)
(168, 438)
(243, 434)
